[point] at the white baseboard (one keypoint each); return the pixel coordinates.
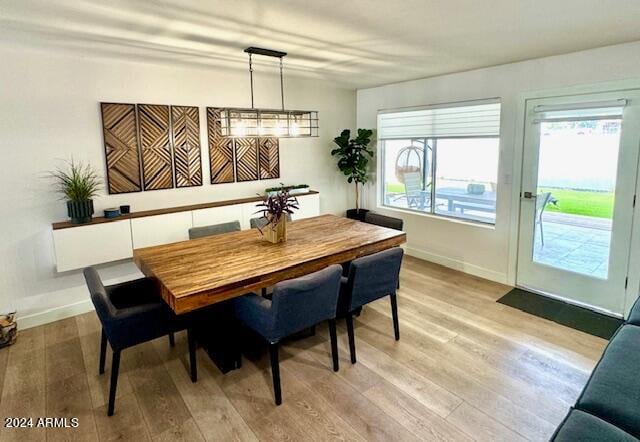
(54, 314)
(455, 264)
(47, 307)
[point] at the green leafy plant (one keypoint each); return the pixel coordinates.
(76, 182)
(277, 189)
(274, 207)
(353, 157)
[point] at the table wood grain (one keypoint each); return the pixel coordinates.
(197, 273)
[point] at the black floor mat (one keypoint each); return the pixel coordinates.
(569, 315)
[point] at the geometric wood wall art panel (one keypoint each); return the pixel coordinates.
(121, 147)
(220, 150)
(155, 144)
(185, 129)
(242, 158)
(269, 158)
(246, 150)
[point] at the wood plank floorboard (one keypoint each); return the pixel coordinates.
(465, 368)
(23, 393)
(67, 388)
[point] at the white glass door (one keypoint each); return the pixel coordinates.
(579, 176)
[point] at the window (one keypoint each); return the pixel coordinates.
(442, 160)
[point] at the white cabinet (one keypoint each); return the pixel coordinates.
(218, 215)
(80, 246)
(160, 229)
(309, 206)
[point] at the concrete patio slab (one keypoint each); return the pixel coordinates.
(570, 246)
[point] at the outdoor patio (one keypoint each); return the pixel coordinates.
(571, 242)
(447, 206)
(575, 243)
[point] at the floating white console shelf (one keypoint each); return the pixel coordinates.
(92, 244)
(106, 240)
(149, 231)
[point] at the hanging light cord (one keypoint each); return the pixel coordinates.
(268, 53)
(281, 84)
(251, 78)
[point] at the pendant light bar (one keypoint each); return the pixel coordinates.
(239, 122)
(282, 123)
(265, 52)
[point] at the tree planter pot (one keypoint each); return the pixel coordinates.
(80, 212)
(357, 214)
(276, 233)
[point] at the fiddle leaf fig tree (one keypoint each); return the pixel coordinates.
(353, 157)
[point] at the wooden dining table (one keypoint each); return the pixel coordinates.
(199, 273)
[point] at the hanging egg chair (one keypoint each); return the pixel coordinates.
(409, 159)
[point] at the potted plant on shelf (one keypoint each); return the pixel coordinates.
(78, 184)
(275, 209)
(353, 158)
(298, 189)
(293, 190)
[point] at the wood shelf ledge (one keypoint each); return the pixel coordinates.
(144, 213)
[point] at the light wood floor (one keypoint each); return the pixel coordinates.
(465, 368)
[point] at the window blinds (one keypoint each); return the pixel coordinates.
(601, 110)
(453, 120)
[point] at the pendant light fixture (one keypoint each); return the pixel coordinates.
(282, 123)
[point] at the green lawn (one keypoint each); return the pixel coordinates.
(395, 188)
(580, 202)
(577, 202)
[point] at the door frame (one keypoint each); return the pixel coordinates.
(633, 286)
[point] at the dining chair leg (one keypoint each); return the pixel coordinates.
(352, 338)
(191, 338)
(275, 371)
(334, 344)
(172, 339)
(115, 367)
(394, 314)
(103, 351)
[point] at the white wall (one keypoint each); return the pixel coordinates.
(477, 249)
(49, 111)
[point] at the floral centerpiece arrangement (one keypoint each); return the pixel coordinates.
(276, 209)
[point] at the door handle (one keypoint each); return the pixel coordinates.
(528, 196)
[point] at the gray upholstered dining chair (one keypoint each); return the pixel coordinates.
(261, 221)
(378, 220)
(297, 304)
(215, 229)
(370, 278)
(132, 313)
(383, 220)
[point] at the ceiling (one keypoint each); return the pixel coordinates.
(358, 43)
